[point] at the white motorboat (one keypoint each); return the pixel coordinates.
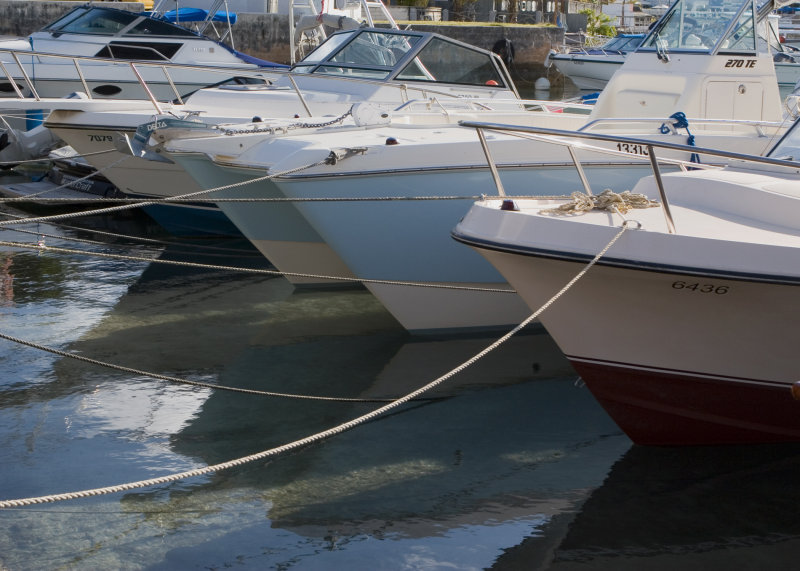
(92, 49)
(683, 328)
(385, 66)
(377, 240)
(432, 172)
(592, 68)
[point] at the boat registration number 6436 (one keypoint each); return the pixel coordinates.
(702, 288)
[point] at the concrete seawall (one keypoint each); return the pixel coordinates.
(267, 35)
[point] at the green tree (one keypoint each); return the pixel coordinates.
(598, 24)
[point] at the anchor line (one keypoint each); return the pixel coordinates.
(44, 248)
(142, 239)
(319, 435)
(124, 207)
(178, 380)
(148, 243)
(42, 159)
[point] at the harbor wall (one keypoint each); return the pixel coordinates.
(266, 36)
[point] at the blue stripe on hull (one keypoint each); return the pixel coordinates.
(187, 221)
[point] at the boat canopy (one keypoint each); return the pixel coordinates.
(198, 15)
(404, 55)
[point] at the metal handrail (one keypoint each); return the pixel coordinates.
(82, 78)
(243, 71)
(300, 95)
(25, 76)
(149, 93)
(556, 136)
(426, 90)
(758, 124)
(730, 155)
(220, 68)
(11, 80)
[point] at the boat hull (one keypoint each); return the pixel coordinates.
(409, 241)
(711, 364)
(594, 72)
(192, 220)
(276, 229)
(588, 72)
(674, 408)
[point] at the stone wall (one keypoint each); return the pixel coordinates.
(23, 18)
(266, 36)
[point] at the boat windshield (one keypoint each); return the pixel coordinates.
(623, 43)
(379, 54)
(109, 21)
(789, 146)
(444, 61)
(96, 21)
(723, 26)
(361, 53)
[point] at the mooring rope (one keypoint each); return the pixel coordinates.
(137, 204)
(178, 380)
(131, 237)
(147, 241)
(44, 248)
(319, 435)
(44, 159)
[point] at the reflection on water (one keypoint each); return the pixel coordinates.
(509, 465)
(698, 508)
(6, 280)
(493, 456)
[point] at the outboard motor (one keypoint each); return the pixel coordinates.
(17, 146)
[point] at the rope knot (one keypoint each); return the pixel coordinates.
(681, 122)
(582, 203)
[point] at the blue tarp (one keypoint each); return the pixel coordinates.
(197, 15)
(258, 61)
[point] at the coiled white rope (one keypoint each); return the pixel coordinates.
(620, 202)
(320, 435)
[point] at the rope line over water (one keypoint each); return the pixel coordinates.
(123, 207)
(181, 381)
(43, 159)
(319, 435)
(44, 248)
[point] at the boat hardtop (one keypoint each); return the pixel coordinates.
(100, 31)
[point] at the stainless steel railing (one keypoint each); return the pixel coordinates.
(574, 139)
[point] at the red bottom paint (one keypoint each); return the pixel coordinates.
(677, 409)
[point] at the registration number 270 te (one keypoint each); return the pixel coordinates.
(700, 287)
